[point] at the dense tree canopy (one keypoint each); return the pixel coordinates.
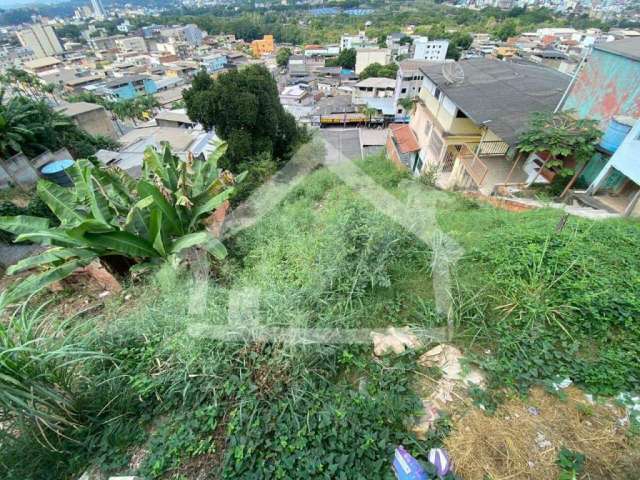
(244, 108)
(282, 58)
(346, 59)
(377, 70)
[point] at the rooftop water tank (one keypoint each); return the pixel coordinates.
(56, 172)
(618, 128)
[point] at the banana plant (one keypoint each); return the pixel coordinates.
(108, 215)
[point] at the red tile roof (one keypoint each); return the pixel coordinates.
(404, 137)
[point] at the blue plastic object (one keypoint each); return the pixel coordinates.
(618, 128)
(406, 467)
(56, 172)
(57, 166)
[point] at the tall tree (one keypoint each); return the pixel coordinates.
(244, 108)
(282, 58)
(346, 59)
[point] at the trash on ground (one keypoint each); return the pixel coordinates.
(395, 340)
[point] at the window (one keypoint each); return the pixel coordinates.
(417, 165)
(399, 111)
(404, 90)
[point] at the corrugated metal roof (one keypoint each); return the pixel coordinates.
(502, 95)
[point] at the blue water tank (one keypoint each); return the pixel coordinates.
(618, 128)
(56, 172)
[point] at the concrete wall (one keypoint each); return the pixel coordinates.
(96, 122)
(368, 56)
(24, 170)
(607, 85)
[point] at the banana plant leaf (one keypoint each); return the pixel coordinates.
(121, 243)
(50, 256)
(36, 282)
(23, 224)
(169, 213)
(61, 201)
(204, 239)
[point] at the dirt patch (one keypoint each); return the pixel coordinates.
(523, 438)
(502, 203)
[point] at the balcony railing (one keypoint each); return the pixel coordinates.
(475, 167)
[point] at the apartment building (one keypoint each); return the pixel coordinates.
(131, 45)
(41, 40)
(432, 50)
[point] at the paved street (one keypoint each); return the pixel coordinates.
(346, 141)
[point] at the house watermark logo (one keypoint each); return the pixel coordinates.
(415, 212)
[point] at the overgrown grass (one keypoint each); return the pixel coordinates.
(552, 303)
(260, 408)
(543, 303)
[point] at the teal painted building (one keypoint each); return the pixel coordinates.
(608, 84)
(126, 88)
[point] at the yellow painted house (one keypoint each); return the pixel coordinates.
(265, 46)
(469, 116)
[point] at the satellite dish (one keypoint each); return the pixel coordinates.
(453, 73)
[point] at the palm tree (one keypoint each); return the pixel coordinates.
(370, 112)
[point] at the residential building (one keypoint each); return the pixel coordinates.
(174, 118)
(617, 186)
(41, 39)
(402, 146)
(471, 113)
(319, 50)
(184, 142)
(124, 88)
(131, 45)
(91, 118)
(608, 84)
(168, 98)
(77, 84)
(13, 55)
(266, 46)
(368, 56)
(214, 63)
(99, 12)
(353, 41)
(104, 43)
(184, 69)
(373, 87)
(295, 95)
(408, 83)
(432, 50)
(607, 89)
(300, 65)
(43, 64)
(375, 93)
